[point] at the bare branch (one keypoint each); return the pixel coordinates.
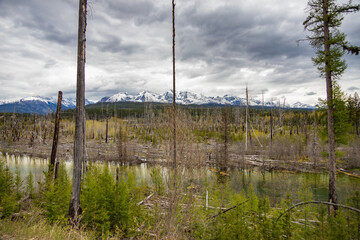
(318, 202)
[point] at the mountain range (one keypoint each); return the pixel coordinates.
(39, 105)
(44, 105)
(187, 98)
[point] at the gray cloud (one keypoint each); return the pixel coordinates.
(220, 47)
(116, 45)
(353, 89)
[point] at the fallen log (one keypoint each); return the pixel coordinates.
(347, 173)
(226, 210)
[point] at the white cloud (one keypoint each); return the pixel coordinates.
(220, 47)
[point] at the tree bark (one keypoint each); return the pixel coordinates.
(106, 130)
(314, 140)
(79, 143)
(329, 92)
(171, 222)
(174, 93)
(247, 120)
(56, 133)
(271, 129)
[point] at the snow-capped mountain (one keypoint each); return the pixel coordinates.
(3, 102)
(302, 106)
(44, 105)
(187, 98)
(37, 104)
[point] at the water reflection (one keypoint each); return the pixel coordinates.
(274, 184)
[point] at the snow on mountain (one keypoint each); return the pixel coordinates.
(120, 97)
(302, 106)
(186, 98)
(44, 105)
(38, 98)
(146, 96)
(38, 104)
(3, 102)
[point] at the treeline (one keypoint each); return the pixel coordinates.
(220, 134)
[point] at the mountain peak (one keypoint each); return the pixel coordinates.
(187, 98)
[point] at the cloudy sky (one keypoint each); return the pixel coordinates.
(221, 46)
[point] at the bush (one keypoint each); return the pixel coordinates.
(108, 206)
(8, 203)
(55, 196)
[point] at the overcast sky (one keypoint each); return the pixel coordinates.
(221, 45)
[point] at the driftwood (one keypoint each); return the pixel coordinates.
(147, 198)
(226, 210)
(16, 216)
(318, 202)
(347, 173)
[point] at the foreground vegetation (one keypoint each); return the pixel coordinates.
(124, 207)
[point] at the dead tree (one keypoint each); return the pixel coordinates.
(174, 92)
(115, 122)
(79, 144)
(224, 155)
(314, 145)
(171, 221)
(107, 124)
(56, 133)
(247, 120)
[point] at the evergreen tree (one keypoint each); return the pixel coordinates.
(353, 105)
(342, 124)
(323, 22)
(7, 193)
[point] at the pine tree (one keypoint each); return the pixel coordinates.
(323, 22)
(342, 125)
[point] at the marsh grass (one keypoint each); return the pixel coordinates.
(35, 226)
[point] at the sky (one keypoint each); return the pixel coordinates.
(222, 46)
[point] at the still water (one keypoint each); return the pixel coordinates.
(275, 184)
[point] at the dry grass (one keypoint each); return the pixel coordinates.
(34, 226)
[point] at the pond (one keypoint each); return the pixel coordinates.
(275, 184)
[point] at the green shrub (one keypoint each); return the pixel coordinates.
(157, 180)
(30, 189)
(55, 196)
(109, 207)
(8, 203)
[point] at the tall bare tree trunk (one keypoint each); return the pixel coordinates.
(314, 145)
(329, 92)
(226, 140)
(56, 133)
(174, 93)
(246, 119)
(106, 129)
(271, 129)
(115, 122)
(171, 222)
(79, 143)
